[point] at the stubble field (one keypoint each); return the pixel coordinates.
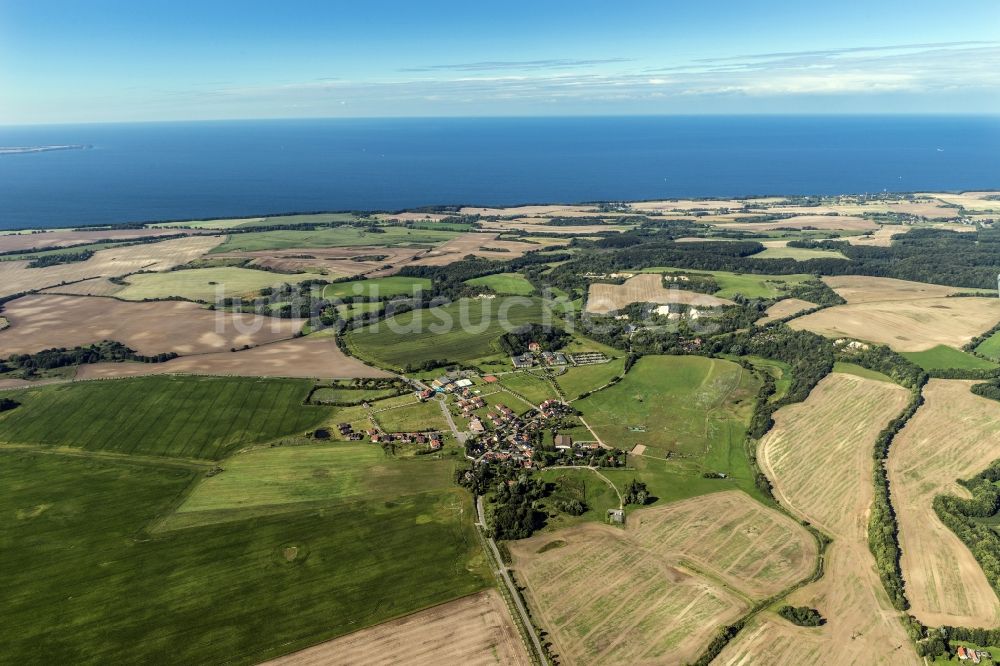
(645, 288)
(954, 435)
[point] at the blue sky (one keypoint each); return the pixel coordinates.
(111, 60)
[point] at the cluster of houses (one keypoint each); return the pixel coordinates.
(446, 384)
(431, 439)
(535, 356)
(347, 430)
(513, 436)
(973, 655)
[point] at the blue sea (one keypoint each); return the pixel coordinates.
(164, 171)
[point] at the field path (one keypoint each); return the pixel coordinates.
(954, 435)
(820, 462)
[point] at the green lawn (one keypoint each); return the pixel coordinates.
(350, 395)
(943, 357)
(990, 346)
(85, 582)
(512, 284)
(419, 416)
(852, 369)
(185, 417)
(534, 388)
(798, 253)
(458, 332)
(377, 287)
(343, 236)
(348, 310)
(204, 284)
(693, 408)
(747, 284)
(583, 378)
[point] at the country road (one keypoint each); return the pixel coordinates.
(522, 611)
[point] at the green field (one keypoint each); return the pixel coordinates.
(583, 378)
(204, 284)
(348, 310)
(416, 417)
(692, 408)
(376, 287)
(534, 388)
(458, 332)
(990, 347)
(853, 369)
(747, 284)
(943, 357)
(203, 418)
(512, 284)
(798, 253)
(350, 395)
(85, 582)
(284, 476)
(577, 484)
(344, 236)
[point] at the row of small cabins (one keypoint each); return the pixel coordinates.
(973, 655)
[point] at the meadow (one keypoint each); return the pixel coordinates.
(512, 284)
(342, 236)
(376, 287)
(204, 284)
(180, 417)
(990, 347)
(441, 333)
(580, 379)
(86, 583)
(797, 253)
(943, 357)
(533, 387)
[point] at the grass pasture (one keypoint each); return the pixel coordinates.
(692, 407)
(204, 284)
(580, 379)
(87, 583)
(797, 253)
(534, 388)
(990, 347)
(202, 418)
(458, 332)
(943, 357)
(413, 417)
(656, 591)
(750, 285)
(512, 284)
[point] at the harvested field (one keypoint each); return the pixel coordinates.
(972, 201)
(881, 237)
(53, 239)
(473, 243)
(539, 225)
(686, 205)
(954, 435)
(315, 356)
(413, 217)
(44, 321)
(347, 261)
(831, 222)
(785, 308)
(550, 209)
(204, 284)
(821, 464)
(656, 591)
(15, 277)
(862, 289)
(645, 288)
(909, 325)
(475, 631)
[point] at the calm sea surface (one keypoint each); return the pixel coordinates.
(142, 172)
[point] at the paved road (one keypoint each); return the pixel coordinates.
(459, 435)
(521, 610)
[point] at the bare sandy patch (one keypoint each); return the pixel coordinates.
(785, 308)
(820, 463)
(881, 237)
(657, 591)
(644, 288)
(910, 325)
(45, 321)
(313, 356)
(16, 277)
(954, 435)
(476, 630)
